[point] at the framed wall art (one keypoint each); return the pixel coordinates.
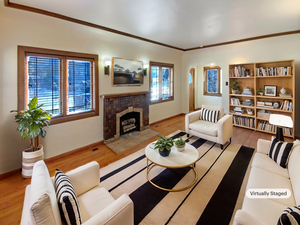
(127, 72)
(270, 90)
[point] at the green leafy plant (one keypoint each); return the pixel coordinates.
(259, 90)
(235, 86)
(164, 142)
(31, 122)
(179, 142)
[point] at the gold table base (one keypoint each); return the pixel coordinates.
(166, 189)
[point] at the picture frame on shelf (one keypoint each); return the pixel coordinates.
(270, 90)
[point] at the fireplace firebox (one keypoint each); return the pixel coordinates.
(129, 122)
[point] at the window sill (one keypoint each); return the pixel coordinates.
(161, 101)
(213, 94)
(72, 117)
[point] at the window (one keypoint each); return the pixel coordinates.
(65, 82)
(161, 82)
(212, 81)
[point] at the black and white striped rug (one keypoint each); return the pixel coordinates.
(218, 193)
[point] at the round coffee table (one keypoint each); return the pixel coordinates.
(176, 159)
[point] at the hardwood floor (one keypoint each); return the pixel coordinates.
(12, 188)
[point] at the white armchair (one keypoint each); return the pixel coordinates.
(219, 132)
(97, 206)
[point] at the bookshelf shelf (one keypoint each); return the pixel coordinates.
(275, 110)
(244, 127)
(269, 77)
(263, 119)
(270, 132)
(244, 106)
(243, 77)
(240, 95)
(243, 114)
(239, 73)
(277, 97)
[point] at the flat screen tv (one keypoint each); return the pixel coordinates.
(121, 78)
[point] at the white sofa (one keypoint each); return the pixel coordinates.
(219, 132)
(97, 206)
(267, 174)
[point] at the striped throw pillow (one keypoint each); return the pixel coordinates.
(210, 115)
(280, 151)
(291, 216)
(67, 199)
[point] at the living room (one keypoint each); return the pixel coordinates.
(25, 28)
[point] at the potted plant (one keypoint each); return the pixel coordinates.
(260, 91)
(31, 124)
(235, 87)
(179, 144)
(164, 145)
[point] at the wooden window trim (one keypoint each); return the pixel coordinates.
(160, 65)
(218, 94)
(22, 103)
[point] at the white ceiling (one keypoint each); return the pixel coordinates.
(182, 23)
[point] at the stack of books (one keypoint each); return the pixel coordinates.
(287, 105)
(247, 91)
(235, 101)
(238, 110)
(286, 95)
(248, 102)
(265, 104)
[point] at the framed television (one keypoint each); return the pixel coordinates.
(127, 72)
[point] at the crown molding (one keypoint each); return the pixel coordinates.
(7, 3)
(246, 39)
(70, 19)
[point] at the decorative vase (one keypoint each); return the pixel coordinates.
(29, 159)
(233, 91)
(282, 90)
(261, 93)
(180, 148)
(165, 152)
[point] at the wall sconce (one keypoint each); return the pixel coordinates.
(145, 67)
(106, 62)
(212, 65)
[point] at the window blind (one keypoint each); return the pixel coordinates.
(43, 76)
(79, 86)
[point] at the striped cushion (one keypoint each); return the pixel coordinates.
(210, 115)
(279, 152)
(67, 199)
(290, 216)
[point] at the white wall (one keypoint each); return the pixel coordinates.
(29, 29)
(263, 50)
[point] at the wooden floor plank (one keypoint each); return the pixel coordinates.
(12, 188)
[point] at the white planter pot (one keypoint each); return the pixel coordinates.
(180, 148)
(29, 159)
(233, 91)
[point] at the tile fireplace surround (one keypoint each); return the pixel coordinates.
(117, 105)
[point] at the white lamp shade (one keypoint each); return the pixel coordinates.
(106, 61)
(281, 120)
(145, 64)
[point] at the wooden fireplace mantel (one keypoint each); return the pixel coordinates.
(124, 94)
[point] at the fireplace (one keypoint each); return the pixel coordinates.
(115, 110)
(129, 122)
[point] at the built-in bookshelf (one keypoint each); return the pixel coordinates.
(251, 110)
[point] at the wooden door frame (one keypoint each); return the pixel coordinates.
(192, 72)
